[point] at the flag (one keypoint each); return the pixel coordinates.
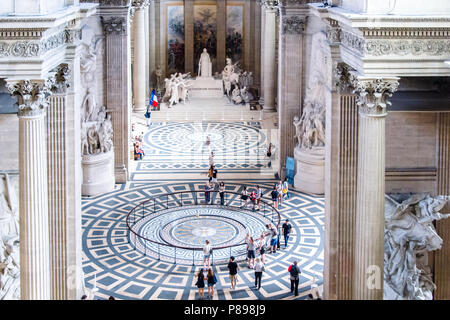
(154, 99)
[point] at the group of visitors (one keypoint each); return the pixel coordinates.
(280, 193)
(137, 145)
(206, 276)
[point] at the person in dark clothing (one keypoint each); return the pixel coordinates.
(233, 269)
(200, 284)
(207, 193)
(222, 193)
(274, 195)
(294, 272)
(286, 232)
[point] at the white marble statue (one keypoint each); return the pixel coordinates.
(177, 89)
(96, 128)
(310, 128)
(205, 65)
(409, 236)
(236, 96)
(9, 241)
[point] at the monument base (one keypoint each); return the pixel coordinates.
(98, 174)
(206, 87)
(310, 172)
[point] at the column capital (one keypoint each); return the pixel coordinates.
(269, 4)
(373, 93)
(342, 77)
(31, 95)
(63, 77)
(140, 4)
(293, 24)
(114, 25)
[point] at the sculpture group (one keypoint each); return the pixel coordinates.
(409, 236)
(236, 83)
(96, 127)
(177, 89)
(310, 128)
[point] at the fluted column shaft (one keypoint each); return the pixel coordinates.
(290, 63)
(370, 208)
(152, 43)
(269, 63)
(139, 65)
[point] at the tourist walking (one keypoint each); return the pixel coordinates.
(148, 116)
(212, 280)
(294, 272)
(286, 232)
(280, 193)
(211, 159)
(253, 200)
(285, 189)
(274, 239)
(207, 250)
(233, 269)
(259, 268)
(274, 195)
(262, 251)
(200, 284)
(222, 193)
(244, 197)
(213, 176)
(250, 250)
(207, 193)
(259, 195)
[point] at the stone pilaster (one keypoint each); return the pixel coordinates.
(33, 201)
(370, 208)
(139, 64)
(189, 36)
(442, 257)
(269, 59)
(290, 64)
(152, 43)
(118, 79)
(340, 187)
(221, 35)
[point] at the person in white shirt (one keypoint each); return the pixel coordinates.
(206, 252)
(259, 268)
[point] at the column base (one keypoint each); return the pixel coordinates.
(98, 174)
(121, 175)
(310, 174)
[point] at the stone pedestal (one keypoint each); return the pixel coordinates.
(310, 171)
(98, 174)
(206, 87)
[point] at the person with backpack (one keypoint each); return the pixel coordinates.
(285, 189)
(212, 280)
(294, 272)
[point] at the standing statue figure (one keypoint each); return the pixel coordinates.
(205, 65)
(84, 139)
(158, 74)
(89, 109)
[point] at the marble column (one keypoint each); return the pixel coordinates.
(370, 208)
(139, 64)
(269, 59)
(263, 38)
(118, 79)
(189, 36)
(147, 54)
(221, 35)
(442, 257)
(340, 187)
(152, 43)
(33, 195)
(289, 82)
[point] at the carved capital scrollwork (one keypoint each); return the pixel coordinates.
(342, 78)
(31, 95)
(373, 93)
(270, 4)
(62, 79)
(114, 25)
(293, 25)
(140, 4)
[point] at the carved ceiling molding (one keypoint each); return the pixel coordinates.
(32, 96)
(35, 48)
(373, 93)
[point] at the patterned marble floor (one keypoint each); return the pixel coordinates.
(120, 270)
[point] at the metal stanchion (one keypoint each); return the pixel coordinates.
(159, 255)
(175, 261)
(193, 257)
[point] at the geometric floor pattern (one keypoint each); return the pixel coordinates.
(116, 268)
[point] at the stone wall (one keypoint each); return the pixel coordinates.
(411, 152)
(9, 142)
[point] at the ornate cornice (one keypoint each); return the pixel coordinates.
(293, 24)
(110, 3)
(333, 32)
(353, 42)
(417, 47)
(31, 95)
(373, 94)
(114, 25)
